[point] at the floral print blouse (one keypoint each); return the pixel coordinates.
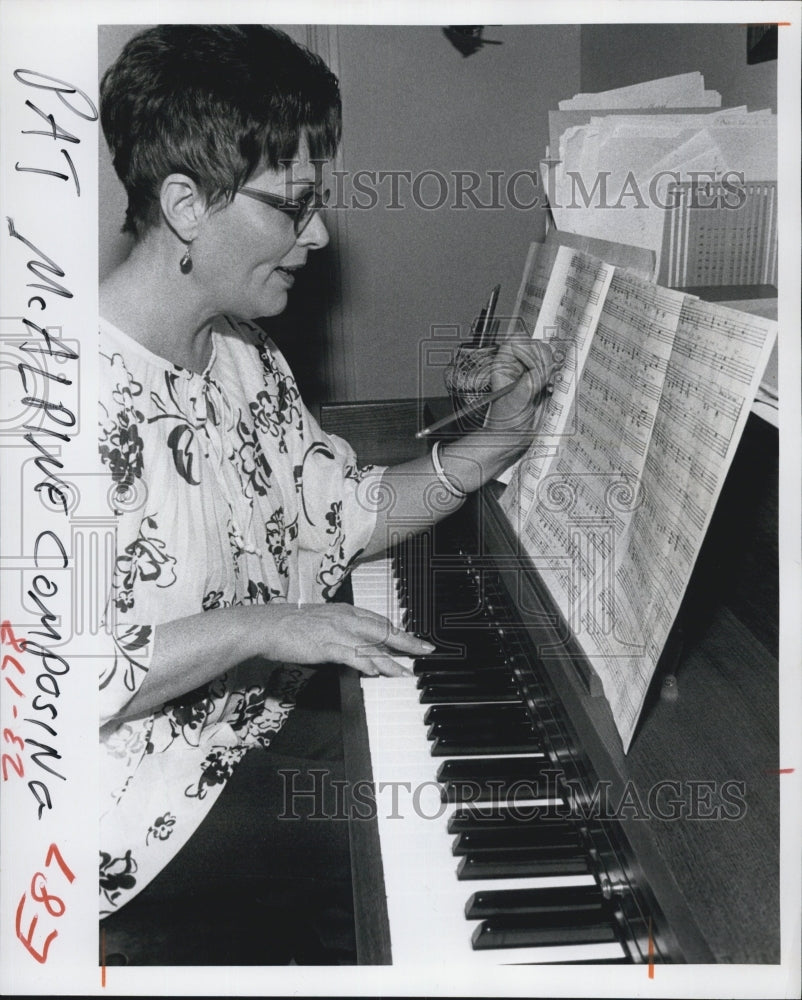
(226, 492)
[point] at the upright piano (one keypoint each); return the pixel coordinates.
(533, 837)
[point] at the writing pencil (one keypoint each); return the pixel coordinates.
(487, 325)
(463, 411)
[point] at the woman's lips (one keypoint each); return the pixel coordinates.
(287, 274)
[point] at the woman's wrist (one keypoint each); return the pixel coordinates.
(450, 485)
(472, 460)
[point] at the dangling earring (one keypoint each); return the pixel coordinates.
(186, 261)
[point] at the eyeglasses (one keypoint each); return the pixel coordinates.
(301, 210)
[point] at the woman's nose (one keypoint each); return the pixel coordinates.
(315, 236)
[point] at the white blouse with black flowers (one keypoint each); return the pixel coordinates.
(227, 492)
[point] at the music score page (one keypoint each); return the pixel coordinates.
(612, 500)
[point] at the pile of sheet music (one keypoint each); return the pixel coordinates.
(662, 166)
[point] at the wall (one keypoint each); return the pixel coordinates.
(412, 102)
(112, 245)
(616, 55)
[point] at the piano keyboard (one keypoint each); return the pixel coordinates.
(473, 871)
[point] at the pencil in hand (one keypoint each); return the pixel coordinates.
(464, 411)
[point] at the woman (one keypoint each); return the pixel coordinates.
(238, 517)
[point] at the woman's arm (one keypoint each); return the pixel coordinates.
(190, 652)
(411, 496)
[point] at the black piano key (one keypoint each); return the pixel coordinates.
(450, 613)
(489, 817)
(529, 932)
(502, 714)
(484, 638)
(508, 769)
(494, 719)
(482, 729)
(486, 741)
(491, 791)
(496, 779)
(457, 607)
(450, 582)
(541, 837)
(439, 694)
(453, 610)
(507, 902)
(464, 656)
(456, 651)
(467, 746)
(462, 673)
(456, 600)
(487, 738)
(488, 680)
(459, 664)
(453, 581)
(476, 728)
(523, 863)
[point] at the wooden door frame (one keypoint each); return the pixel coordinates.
(339, 361)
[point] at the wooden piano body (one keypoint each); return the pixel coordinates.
(706, 883)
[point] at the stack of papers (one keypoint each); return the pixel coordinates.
(682, 90)
(662, 166)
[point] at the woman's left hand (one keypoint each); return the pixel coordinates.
(532, 365)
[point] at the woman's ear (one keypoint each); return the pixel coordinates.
(182, 205)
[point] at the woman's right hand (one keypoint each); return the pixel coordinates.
(189, 652)
(338, 633)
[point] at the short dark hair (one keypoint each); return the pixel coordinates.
(214, 102)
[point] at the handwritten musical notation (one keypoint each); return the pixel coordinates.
(613, 500)
(537, 272)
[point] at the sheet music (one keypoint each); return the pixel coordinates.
(540, 261)
(614, 516)
(568, 317)
(535, 280)
(577, 497)
(569, 312)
